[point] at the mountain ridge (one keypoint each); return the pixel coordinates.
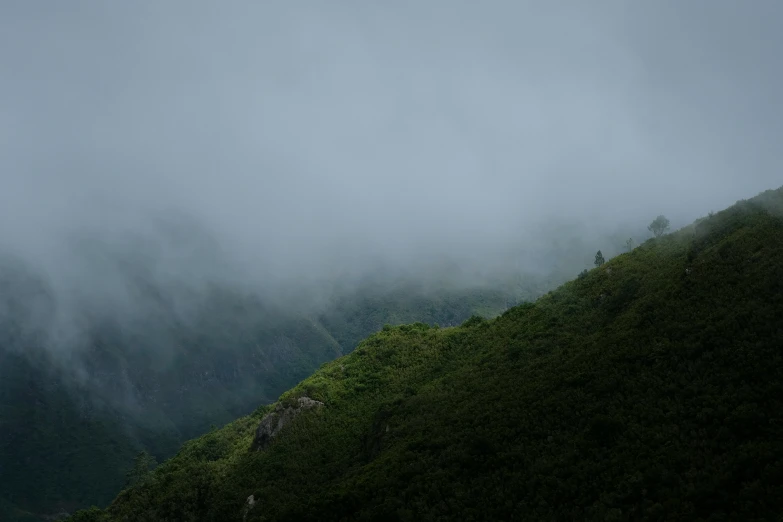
(650, 389)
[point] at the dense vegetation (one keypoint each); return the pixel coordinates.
(650, 389)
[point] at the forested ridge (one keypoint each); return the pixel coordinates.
(650, 388)
(182, 355)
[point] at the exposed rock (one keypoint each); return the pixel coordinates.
(251, 503)
(274, 421)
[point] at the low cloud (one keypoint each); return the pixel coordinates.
(273, 146)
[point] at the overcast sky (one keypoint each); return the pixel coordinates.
(297, 129)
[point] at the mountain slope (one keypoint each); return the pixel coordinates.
(68, 437)
(67, 441)
(652, 389)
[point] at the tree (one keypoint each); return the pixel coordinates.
(629, 244)
(599, 259)
(659, 226)
(142, 465)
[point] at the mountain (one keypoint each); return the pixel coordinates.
(72, 418)
(649, 389)
(148, 349)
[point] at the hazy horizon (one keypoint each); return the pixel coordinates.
(308, 141)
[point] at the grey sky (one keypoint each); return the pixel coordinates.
(310, 133)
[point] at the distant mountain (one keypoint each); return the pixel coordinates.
(649, 389)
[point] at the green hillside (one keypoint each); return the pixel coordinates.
(651, 389)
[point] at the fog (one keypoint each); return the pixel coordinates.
(306, 140)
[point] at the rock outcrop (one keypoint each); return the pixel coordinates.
(250, 504)
(273, 422)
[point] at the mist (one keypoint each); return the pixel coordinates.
(295, 143)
